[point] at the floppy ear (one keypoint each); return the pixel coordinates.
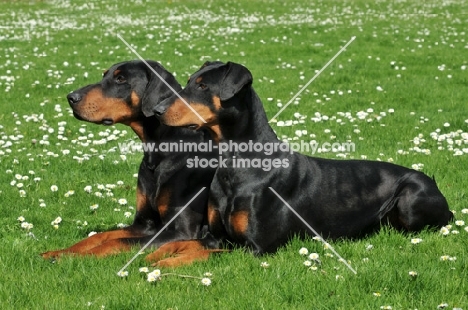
(156, 90)
(235, 78)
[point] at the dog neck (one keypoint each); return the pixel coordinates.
(146, 128)
(248, 123)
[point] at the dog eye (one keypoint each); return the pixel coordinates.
(202, 86)
(120, 79)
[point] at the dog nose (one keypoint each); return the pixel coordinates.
(73, 98)
(159, 110)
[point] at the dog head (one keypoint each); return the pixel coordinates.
(210, 94)
(126, 94)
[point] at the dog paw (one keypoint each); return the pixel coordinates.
(183, 259)
(178, 253)
(51, 254)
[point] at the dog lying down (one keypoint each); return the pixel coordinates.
(338, 198)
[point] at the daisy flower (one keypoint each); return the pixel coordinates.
(57, 221)
(26, 225)
(444, 231)
(264, 265)
(413, 274)
(206, 281)
(122, 273)
(314, 256)
(151, 278)
(54, 188)
(122, 201)
(448, 258)
(416, 240)
(303, 251)
(69, 193)
(154, 275)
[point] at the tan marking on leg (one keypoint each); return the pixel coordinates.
(213, 214)
(162, 201)
(142, 199)
(179, 253)
(86, 245)
(111, 247)
(174, 248)
(240, 221)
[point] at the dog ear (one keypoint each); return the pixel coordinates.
(156, 90)
(235, 78)
(211, 63)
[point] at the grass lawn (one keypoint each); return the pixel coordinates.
(399, 92)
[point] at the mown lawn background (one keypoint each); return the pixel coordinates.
(399, 92)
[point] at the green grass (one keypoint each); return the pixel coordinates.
(415, 51)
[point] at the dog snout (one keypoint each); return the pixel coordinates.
(161, 108)
(74, 98)
(159, 111)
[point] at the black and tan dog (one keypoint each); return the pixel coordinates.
(126, 95)
(338, 198)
